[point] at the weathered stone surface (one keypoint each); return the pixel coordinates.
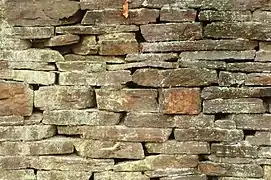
(80, 117)
(190, 177)
(219, 55)
(67, 175)
(88, 45)
(96, 59)
(151, 57)
(260, 138)
(260, 79)
(267, 172)
(171, 31)
(174, 14)
(246, 30)
(171, 172)
(62, 40)
(11, 120)
(211, 15)
(15, 99)
(122, 133)
(180, 101)
(118, 44)
(43, 66)
(13, 163)
(70, 130)
(32, 32)
(114, 16)
(159, 162)
(214, 134)
(120, 176)
(139, 100)
(155, 64)
(232, 160)
(107, 4)
(175, 147)
(235, 178)
(221, 169)
(95, 79)
(87, 66)
(35, 118)
(264, 152)
(249, 67)
(100, 29)
(55, 145)
(263, 56)
(230, 78)
(241, 149)
(28, 76)
(261, 16)
(45, 55)
(201, 45)
(109, 149)
(71, 163)
(26, 133)
(148, 120)
(64, 97)
(214, 92)
(225, 124)
(17, 174)
(242, 105)
(202, 64)
(41, 13)
(14, 44)
(252, 121)
(195, 121)
(178, 77)
(265, 46)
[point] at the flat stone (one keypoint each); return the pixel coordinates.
(14, 44)
(35, 118)
(222, 169)
(17, 65)
(99, 29)
(235, 178)
(175, 147)
(225, 124)
(15, 99)
(107, 4)
(120, 176)
(228, 16)
(122, 133)
(171, 172)
(55, 145)
(151, 57)
(70, 130)
(195, 121)
(64, 97)
(17, 174)
(260, 138)
(261, 16)
(139, 100)
(109, 149)
(12, 163)
(189, 177)
(263, 56)
(11, 120)
(174, 14)
(68, 175)
(180, 101)
(249, 67)
(114, 16)
(202, 64)
(97, 59)
(231, 78)
(80, 117)
(26, 133)
(265, 46)
(155, 162)
(171, 31)
(232, 160)
(214, 134)
(242, 105)
(105, 78)
(267, 172)
(259, 79)
(264, 152)
(62, 40)
(87, 45)
(171, 78)
(252, 121)
(32, 32)
(155, 64)
(87, 66)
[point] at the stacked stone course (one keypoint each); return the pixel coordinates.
(179, 90)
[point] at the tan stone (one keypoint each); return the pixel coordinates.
(17, 174)
(108, 175)
(67, 175)
(88, 45)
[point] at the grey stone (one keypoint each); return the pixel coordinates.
(151, 57)
(67, 175)
(189, 177)
(202, 64)
(259, 79)
(225, 124)
(175, 14)
(263, 56)
(32, 32)
(195, 121)
(97, 59)
(88, 45)
(87, 66)
(62, 40)
(252, 121)
(155, 64)
(17, 65)
(17, 174)
(11, 120)
(260, 138)
(108, 175)
(264, 152)
(249, 67)
(231, 78)
(212, 15)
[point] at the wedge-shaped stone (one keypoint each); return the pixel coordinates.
(200, 45)
(32, 32)
(109, 149)
(245, 30)
(263, 56)
(44, 55)
(241, 149)
(43, 66)
(252, 121)
(260, 138)
(96, 59)
(100, 29)
(219, 55)
(171, 31)
(159, 162)
(139, 100)
(259, 79)
(195, 121)
(55, 145)
(202, 64)
(87, 45)
(17, 174)
(249, 67)
(80, 117)
(212, 15)
(122, 133)
(175, 147)
(145, 64)
(67, 175)
(230, 78)
(222, 169)
(26, 133)
(171, 78)
(81, 66)
(108, 175)
(107, 4)
(151, 57)
(264, 152)
(13, 163)
(11, 120)
(189, 177)
(214, 134)
(15, 99)
(62, 40)
(242, 105)
(64, 97)
(174, 14)
(114, 16)
(71, 163)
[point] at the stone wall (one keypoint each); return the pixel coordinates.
(180, 90)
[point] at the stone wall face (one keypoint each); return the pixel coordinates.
(179, 90)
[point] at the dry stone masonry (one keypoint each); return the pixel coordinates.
(179, 90)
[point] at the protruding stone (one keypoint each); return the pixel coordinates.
(88, 45)
(62, 40)
(108, 175)
(67, 175)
